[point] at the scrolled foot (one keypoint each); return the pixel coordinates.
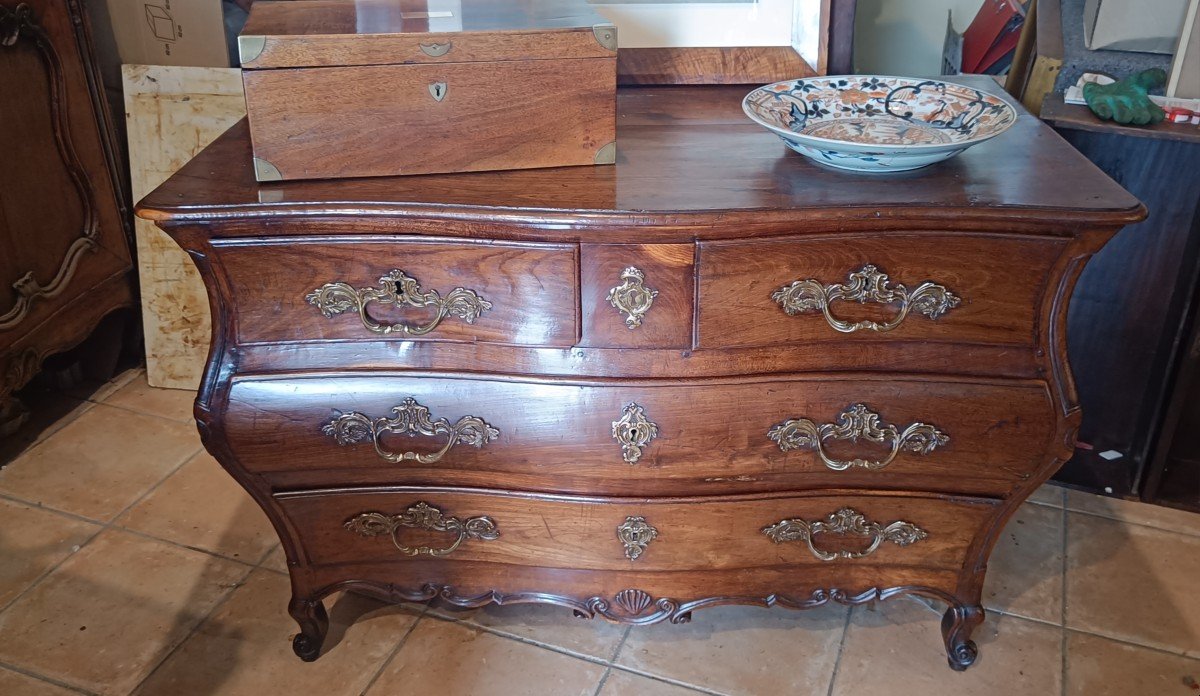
(306, 648)
(957, 624)
(314, 624)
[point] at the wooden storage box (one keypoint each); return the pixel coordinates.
(345, 88)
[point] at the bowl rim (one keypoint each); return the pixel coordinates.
(918, 147)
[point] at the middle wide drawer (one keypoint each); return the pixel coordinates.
(642, 438)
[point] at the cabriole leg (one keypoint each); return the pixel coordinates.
(957, 624)
(314, 623)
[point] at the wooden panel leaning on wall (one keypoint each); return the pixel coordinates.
(64, 255)
(632, 391)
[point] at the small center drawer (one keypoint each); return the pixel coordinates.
(398, 524)
(370, 288)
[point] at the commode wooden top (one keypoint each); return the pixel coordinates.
(690, 166)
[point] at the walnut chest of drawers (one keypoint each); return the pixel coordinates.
(711, 374)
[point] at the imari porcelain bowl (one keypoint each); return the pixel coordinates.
(871, 123)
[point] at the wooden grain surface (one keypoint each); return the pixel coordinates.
(712, 438)
(1008, 226)
(999, 302)
(394, 49)
(533, 289)
(668, 270)
(688, 159)
(171, 113)
(382, 119)
(563, 532)
(710, 66)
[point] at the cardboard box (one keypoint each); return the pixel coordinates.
(170, 32)
(1133, 25)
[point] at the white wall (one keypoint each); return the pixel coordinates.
(904, 37)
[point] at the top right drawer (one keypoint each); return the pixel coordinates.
(967, 287)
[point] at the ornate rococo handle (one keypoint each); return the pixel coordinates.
(867, 284)
(429, 518)
(857, 423)
(409, 418)
(397, 288)
(846, 521)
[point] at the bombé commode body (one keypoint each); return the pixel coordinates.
(713, 373)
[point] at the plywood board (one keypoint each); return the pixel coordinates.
(171, 114)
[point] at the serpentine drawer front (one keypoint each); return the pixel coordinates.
(710, 374)
(643, 439)
(358, 289)
(359, 526)
(929, 287)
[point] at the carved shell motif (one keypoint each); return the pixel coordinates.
(632, 602)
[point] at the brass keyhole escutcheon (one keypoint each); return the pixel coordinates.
(633, 431)
(438, 90)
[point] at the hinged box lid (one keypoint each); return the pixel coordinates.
(317, 33)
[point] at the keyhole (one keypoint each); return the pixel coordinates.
(634, 434)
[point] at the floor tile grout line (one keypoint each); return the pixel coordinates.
(395, 651)
(41, 677)
(1133, 523)
(837, 660)
(178, 545)
(104, 526)
(668, 680)
(1062, 605)
(1132, 643)
(157, 416)
(608, 667)
(62, 513)
(1023, 617)
(616, 653)
(603, 678)
(44, 436)
(70, 417)
(37, 581)
(520, 639)
(233, 588)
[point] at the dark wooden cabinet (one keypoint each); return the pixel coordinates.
(64, 251)
(1128, 332)
(713, 373)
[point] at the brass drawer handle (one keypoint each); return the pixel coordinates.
(635, 535)
(856, 423)
(632, 297)
(633, 431)
(409, 418)
(397, 288)
(867, 284)
(429, 518)
(846, 521)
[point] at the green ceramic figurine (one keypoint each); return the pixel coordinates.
(1126, 101)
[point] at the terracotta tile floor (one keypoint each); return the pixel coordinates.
(131, 563)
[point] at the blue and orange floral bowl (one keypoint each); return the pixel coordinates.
(872, 123)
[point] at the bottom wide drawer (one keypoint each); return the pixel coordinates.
(382, 525)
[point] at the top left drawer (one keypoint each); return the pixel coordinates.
(402, 289)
